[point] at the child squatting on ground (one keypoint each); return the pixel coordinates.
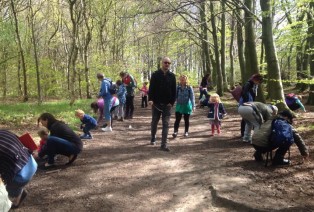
(43, 133)
(216, 113)
(88, 123)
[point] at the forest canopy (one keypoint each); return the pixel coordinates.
(53, 49)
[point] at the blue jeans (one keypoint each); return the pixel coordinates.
(107, 108)
(87, 128)
(15, 187)
(165, 112)
(56, 145)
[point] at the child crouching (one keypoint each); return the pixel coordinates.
(216, 113)
(88, 123)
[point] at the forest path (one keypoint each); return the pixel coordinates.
(121, 171)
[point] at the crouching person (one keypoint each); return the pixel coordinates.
(17, 167)
(278, 134)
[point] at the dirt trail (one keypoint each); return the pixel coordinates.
(120, 171)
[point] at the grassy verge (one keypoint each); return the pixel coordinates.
(24, 114)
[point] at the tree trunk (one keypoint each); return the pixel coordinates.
(276, 93)
(251, 61)
(223, 46)
(88, 38)
(310, 31)
(21, 52)
(240, 42)
(231, 52)
(75, 17)
(31, 22)
(205, 45)
(216, 50)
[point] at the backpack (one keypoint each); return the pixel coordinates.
(112, 88)
(281, 133)
(236, 93)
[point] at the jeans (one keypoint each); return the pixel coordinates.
(107, 114)
(120, 110)
(56, 145)
(87, 128)
(250, 118)
(15, 188)
(164, 111)
(129, 106)
(186, 121)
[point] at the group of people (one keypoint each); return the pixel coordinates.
(18, 164)
(272, 130)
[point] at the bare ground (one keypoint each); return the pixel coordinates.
(120, 171)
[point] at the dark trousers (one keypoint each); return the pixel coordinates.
(203, 92)
(144, 101)
(129, 106)
(242, 127)
(87, 128)
(279, 154)
(56, 145)
(165, 112)
(186, 121)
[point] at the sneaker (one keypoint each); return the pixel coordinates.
(86, 137)
(153, 141)
(104, 126)
(107, 129)
(164, 148)
(174, 135)
(247, 141)
(186, 134)
(282, 162)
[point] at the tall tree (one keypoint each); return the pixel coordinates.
(32, 27)
(223, 45)
(21, 50)
(205, 41)
(310, 17)
(216, 50)
(274, 75)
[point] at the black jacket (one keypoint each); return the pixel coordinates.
(247, 92)
(162, 88)
(62, 130)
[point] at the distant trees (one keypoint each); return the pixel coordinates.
(63, 44)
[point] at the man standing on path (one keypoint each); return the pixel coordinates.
(106, 95)
(162, 95)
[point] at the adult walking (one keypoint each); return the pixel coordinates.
(62, 140)
(104, 92)
(185, 105)
(17, 166)
(249, 92)
(255, 114)
(162, 95)
(130, 85)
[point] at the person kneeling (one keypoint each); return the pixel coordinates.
(278, 134)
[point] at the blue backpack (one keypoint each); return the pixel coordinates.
(112, 88)
(281, 133)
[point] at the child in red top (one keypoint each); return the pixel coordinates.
(144, 93)
(43, 133)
